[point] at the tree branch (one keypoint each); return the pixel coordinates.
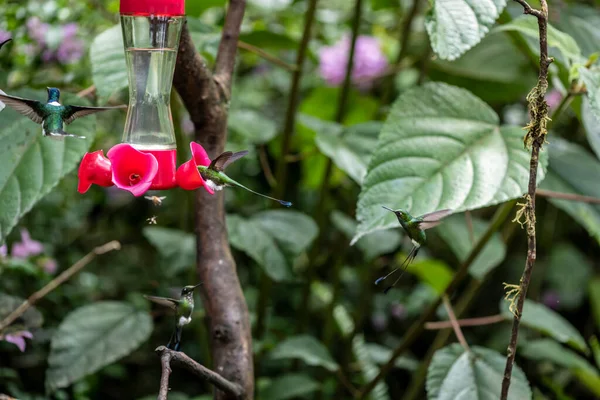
(491, 319)
(536, 135)
(568, 196)
(206, 98)
(415, 330)
(56, 282)
(454, 323)
(169, 357)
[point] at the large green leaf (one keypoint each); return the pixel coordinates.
(435, 273)
(454, 26)
(289, 386)
(177, 248)
(573, 170)
(569, 271)
(541, 318)
(92, 337)
(252, 126)
(592, 84)
(31, 164)
(591, 123)
(455, 233)
(441, 147)
(272, 238)
(477, 375)
(107, 55)
(594, 290)
(549, 350)
(583, 24)
(368, 369)
(528, 25)
(307, 349)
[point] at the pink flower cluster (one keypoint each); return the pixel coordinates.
(70, 48)
(369, 61)
(17, 338)
(4, 36)
(29, 247)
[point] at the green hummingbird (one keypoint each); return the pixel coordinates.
(184, 307)
(216, 180)
(6, 41)
(51, 115)
(415, 229)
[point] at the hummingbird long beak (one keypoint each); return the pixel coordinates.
(389, 209)
(197, 285)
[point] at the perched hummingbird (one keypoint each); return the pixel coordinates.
(215, 178)
(415, 229)
(6, 41)
(52, 115)
(184, 307)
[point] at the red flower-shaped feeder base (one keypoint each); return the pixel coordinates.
(138, 171)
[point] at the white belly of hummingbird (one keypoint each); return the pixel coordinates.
(184, 320)
(415, 243)
(213, 185)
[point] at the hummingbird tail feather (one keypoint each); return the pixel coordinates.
(175, 340)
(282, 202)
(411, 256)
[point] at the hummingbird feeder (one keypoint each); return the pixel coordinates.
(146, 158)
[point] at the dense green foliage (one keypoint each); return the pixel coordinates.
(443, 129)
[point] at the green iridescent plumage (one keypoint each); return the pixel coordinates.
(415, 229)
(51, 115)
(184, 307)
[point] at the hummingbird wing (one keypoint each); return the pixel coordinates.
(29, 108)
(6, 41)
(220, 163)
(74, 112)
(164, 301)
(432, 219)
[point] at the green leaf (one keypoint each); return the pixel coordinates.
(541, 318)
(549, 350)
(454, 373)
(568, 271)
(307, 349)
(31, 164)
(31, 319)
(372, 245)
(177, 248)
(441, 147)
(591, 123)
(528, 25)
(381, 355)
(435, 273)
(92, 337)
(592, 84)
(582, 23)
(454, 26)
(368, 368)
(252, 126)
(594, 290)
(272, 239)
(269, 40)
(196, 8)
(290, 386)
(455, 233)
(573, 170)
(109, 69)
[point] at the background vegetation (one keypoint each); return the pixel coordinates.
(429, 117)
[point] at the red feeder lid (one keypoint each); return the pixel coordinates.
(153, 7)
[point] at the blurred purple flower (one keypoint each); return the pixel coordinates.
(17, 338)
(551, 299)
(553, 98)
(37, 30)
(3, 250)
(4, 36)
(369, 61)
(50, 265)
(187, 126)
(71, 48)
(398, 311)
(26, 247)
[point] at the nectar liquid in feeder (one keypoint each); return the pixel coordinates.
(151, 31)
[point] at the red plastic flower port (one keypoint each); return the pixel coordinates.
(188, 176)
(94, 169)
(132, 170)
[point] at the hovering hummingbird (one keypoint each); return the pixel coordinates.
(184, 307)
(51, 115)
(415, 229)
(215, 178)
(6, 41)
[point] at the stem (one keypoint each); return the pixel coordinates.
(261, 53)
(321, 212)
(536, 136)
(56, 282)
(454, 324)
(469, 221)
(568, 196)
(480, 321)
(417, 328)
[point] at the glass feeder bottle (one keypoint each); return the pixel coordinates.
(151, 32)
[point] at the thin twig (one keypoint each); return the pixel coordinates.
(480, 321)
(59, 280)
(87, 91)
(416, 329)
(260, 52)
(347, 384)
(455, 325)
(469, 221)
(262, 156)
(535, 136)
(169, 357)
(568, 196)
